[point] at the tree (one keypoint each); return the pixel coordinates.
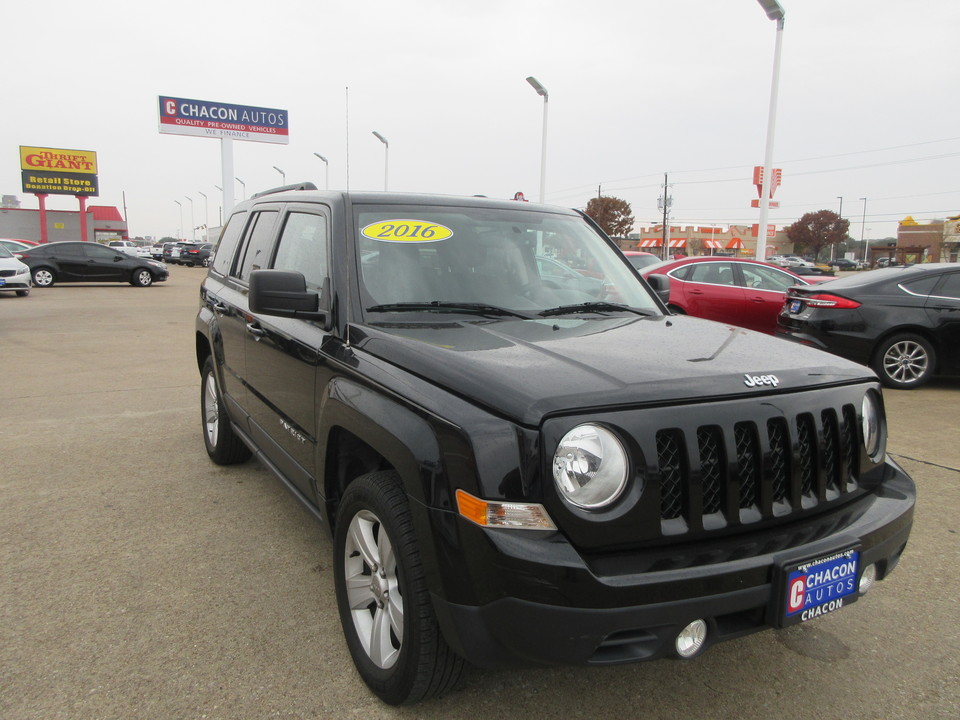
(817, 230)
(612, 214)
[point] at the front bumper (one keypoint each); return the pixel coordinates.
(545, 604)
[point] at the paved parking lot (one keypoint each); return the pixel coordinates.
(139, 580)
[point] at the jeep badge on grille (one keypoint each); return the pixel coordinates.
(758, 380)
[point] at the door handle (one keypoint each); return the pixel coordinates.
(255, 330)
(219, 307)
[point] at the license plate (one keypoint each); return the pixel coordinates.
(2, 282)
(817, 587)
(794, 306)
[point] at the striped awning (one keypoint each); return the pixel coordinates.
(713, 244)
(678, 243)
(651, 242)
(735, 244)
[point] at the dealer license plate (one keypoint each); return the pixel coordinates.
(794, 306)
(2, 282)
(817, 587)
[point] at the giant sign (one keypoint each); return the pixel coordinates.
(202, 118)
(54, 171)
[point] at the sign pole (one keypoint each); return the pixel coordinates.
(83, 217)
(42, 197)
(226, 169)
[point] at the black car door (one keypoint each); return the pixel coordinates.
(283, 358)
(70, 261)
(943, 309)
(105, 264)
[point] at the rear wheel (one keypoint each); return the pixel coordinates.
(385, 608)
(223, 445)
(905, 361)
(44, 277)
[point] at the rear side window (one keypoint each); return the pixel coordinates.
(227, 245)
(950, 287)
(256, 252)
(921, 286)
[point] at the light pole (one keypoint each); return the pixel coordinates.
(774, 11)
(206, 212)
(283, 175)
(242, 185)
(386, 157)
(193, 224)
(863, 225)
(180, 229)
(833, 248)
(542, 92)
(327, 182)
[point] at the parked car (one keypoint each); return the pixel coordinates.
(514, 472)
(640, 259)
(124, 246)
(791, 261)
(16, 245)
(563, 276)
(156, 251)
(14, 275)
(813, 274)
(903, 322)
(194, 255)
(740, 292)
(173, 250)
(77, 261)
(844, 264)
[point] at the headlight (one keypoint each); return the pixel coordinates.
(590, 467)
(22, 270)
(874, 427)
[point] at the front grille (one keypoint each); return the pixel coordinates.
(7, 273)
(746, 471)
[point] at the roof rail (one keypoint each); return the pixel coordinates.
(284, 188)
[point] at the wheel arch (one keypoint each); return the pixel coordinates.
(908, 330)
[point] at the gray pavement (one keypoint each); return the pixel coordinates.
(139, 580)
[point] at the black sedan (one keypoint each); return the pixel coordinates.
(904, 322)
(89, 262)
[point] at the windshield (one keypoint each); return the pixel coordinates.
(4, 253)
(436, 259)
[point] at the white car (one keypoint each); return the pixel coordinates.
(124, 246)
(14, 275)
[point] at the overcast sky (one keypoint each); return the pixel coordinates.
(869, 103)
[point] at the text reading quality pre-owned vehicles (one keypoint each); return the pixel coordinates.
(518, 466)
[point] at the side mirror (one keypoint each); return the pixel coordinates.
(284, 294)
(661, 286)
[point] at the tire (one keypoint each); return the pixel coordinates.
(382, 595)
(905, 361)
(223, 445)
(44, 277)
(141, 278)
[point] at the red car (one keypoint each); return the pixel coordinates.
(739, 292)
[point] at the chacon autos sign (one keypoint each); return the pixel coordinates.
(55, 171)
(202, 118)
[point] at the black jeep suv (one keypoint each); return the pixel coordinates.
(522, 468)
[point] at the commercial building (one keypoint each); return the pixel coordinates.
(104, 222)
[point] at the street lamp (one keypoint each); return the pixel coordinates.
(386, 157)
(863, 225)
(283, 175)
(774, 11)
(542, 92)
(193, 224)
(327, 183)
(206, 211)
(243, 185)
(180, 229)
(833, 248)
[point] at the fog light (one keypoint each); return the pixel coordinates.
(691, 639)
(868, 578)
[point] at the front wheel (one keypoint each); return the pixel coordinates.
(141, 278)
(223, 445)
(44, 277)
(905, 361)
(385, 608)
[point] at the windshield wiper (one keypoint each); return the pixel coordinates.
(590, 307)
(434, 305)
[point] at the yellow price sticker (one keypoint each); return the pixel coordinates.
(406, 231)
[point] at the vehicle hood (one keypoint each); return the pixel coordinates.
(526, 369)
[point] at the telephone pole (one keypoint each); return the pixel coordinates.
(664, 203)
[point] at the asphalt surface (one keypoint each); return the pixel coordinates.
(140, 580)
